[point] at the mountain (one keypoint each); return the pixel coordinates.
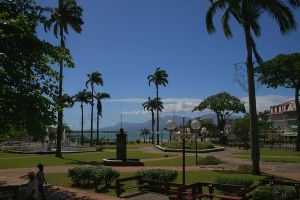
(136, 127)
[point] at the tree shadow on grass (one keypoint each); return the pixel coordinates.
(79, 162)
(54, 193)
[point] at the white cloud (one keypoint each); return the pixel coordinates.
(170, 105)
(179, 105)
(264, 102)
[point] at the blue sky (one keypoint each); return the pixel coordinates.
(126, 40)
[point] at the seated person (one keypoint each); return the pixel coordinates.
(30, 191)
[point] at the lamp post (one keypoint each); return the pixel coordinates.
(171, 125)
(196, 126)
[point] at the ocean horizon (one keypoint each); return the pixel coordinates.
(131, 136)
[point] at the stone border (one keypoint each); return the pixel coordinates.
(190, 150)
(127, 162)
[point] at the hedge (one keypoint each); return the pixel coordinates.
(274, 192)
(163, 175)
(91, 176)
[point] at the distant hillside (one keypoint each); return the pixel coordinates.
(136, 127)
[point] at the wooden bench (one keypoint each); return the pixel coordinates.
(145, 185)
(195, 191)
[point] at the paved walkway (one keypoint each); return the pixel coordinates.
(288, 170)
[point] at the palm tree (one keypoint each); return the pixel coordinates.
(99, 96)
(149, 105)
(158, 106)
(158, 78)
(144, 133)
(68, 13)
(94, 78)
(247, 14)
(82, 97)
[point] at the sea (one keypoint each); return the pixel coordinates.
(131, 136)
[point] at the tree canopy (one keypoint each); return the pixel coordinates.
(284, 71)
(224, 105)
(28, 83)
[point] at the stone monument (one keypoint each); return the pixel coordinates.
(121, 145)
(121, 150)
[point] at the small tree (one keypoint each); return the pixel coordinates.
(145, 132)
(224, 105)
(283, 70)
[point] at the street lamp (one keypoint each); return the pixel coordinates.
(171, 125)
(204, 131)
(196, 125)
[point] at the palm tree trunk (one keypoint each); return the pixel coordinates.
(157, 118)
(298, 118)
(255, 151)
(60, 110)
(152, 112)
(97, 141)
(81, 136)
(92, 116)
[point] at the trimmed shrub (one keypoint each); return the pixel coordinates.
(100, 148)
(90, 176)
(233, 181)
(274, 192)
(246, 169)
(163, 175)
(209, 160)
(81, 175)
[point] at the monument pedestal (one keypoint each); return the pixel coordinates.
(121, 159)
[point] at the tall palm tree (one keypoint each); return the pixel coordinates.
(99, 96)
(82, 96)
(93, 78)
(158, 78)
(247, 14)
(149, 105)
(68, 13)
(158, 106)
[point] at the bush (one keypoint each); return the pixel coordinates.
(163, 175)
(138, 141)
(100, 148)
(209, 160)
(90, 176)
(104, 175)
(233, 181)
(246, 169)
(274, 192)
(81, 175)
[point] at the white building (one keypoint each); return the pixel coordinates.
(284, 118)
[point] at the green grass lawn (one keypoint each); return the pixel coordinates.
(61, 179)
(189, 161)
(10, 160)
(273, 155)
